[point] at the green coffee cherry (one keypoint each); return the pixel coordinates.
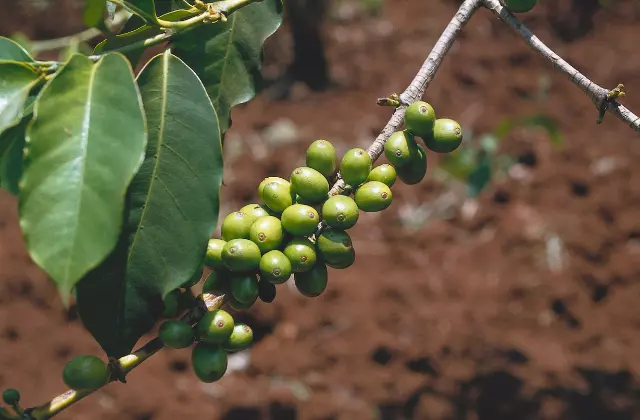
(302, 200)
(11, 396)
(355, 166)
(277, 196)
(447, 136)
(313, 282)
(309, 184)
(419, 119)
(213, 259)
(215, 326)
(240, 339)
(239, 306)
(335, 248)
(340, 212)
(218, 282)
(241, 255)
(266, 291)
(384, 173)
(343, 261)
(267, 233)
(209, 362)
(520, 6)
(171, 306)
(176, 334)
(269, 180)
(322, 156)
(236, 226)
(415, 171)
(244, 288)
(400, 148)
(300, 220)
(373, 196)
(275, 267)
(255, 210)
(301, 253)
(85, 372)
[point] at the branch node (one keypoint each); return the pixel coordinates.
(392, 100)
(611, 96)
(115, 371)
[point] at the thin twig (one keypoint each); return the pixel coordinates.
(125, 364)
(421, 81)
(597, 93)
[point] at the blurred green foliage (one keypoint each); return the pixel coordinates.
(478, 160)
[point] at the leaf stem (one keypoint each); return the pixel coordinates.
(123, 365)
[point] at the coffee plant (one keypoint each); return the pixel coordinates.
(118, 174)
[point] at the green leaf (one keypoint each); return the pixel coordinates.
(228, 56)
(480, 175)
(11, 151)
(83, 147)
(549, 124)
(93, 14)
(146, 9)
(459, 163)
(16, 82)
(172, 210)
(11, 50)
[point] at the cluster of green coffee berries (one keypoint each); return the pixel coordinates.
(297, 229)
(520, 6)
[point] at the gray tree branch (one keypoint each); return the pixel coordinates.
(421, 81)
(597, 93)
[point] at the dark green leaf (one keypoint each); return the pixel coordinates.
(228, 56)
(11, 151)
(83, 147)
(172, 209)
(11, 50)
(146, 9)
(93, 14)
(480, 175)
(15, 83)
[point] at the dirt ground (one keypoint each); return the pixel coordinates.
(523, 305)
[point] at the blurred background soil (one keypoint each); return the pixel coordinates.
(522, 304)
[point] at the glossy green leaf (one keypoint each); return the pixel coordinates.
(11, 151)
(11, 50)
(172, 209)
(146, 9)
(228, 56)
(15, 83)
(83, 147)
(93, 14)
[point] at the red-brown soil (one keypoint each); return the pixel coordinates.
(463, 318)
